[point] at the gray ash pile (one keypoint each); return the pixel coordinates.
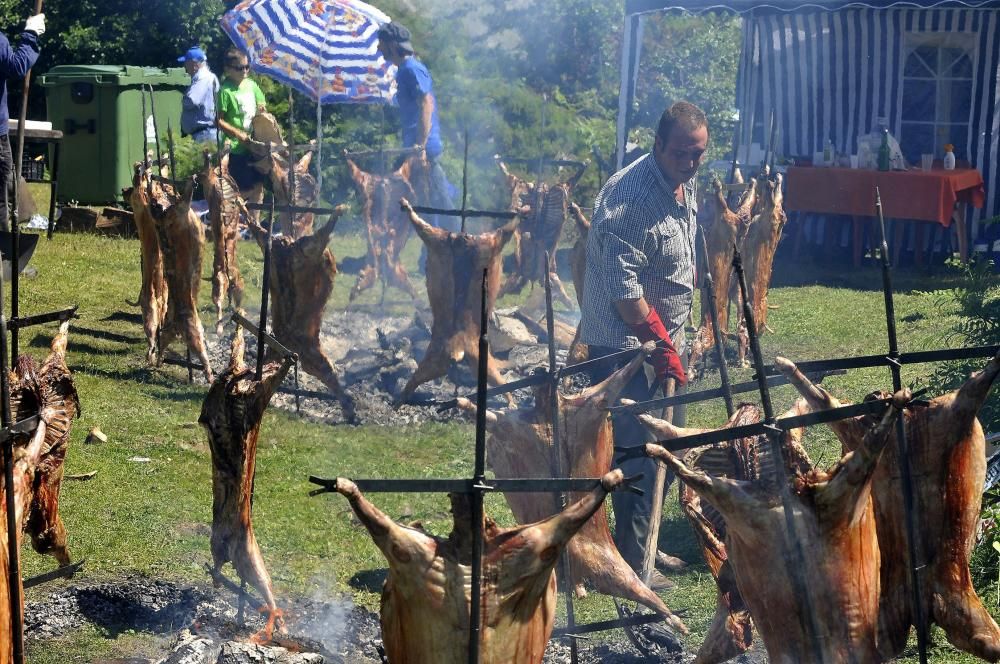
(375, 354)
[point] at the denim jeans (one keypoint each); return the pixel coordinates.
(441, 198)
(206, 135)
(632, 511)
(6, 181)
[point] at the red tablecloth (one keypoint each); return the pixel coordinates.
(916, 194)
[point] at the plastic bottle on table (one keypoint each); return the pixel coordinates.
(949, 157)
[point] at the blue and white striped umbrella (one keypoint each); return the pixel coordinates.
(327, 49)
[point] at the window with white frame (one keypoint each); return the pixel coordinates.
(938, 70)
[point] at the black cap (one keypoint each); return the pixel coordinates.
(397, 34)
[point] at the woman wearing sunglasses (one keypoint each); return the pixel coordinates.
(240, 99)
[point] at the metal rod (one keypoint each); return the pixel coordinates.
(720, 349)
(58, 573)
(13, 527)
(465, 180)
(716, 392)
(291, 158)
(264, 293)
(793, 545)
(605, 625)
(546, 161)
(145, 152)
(295, 368)
(297, 209)
(38, 319)
(156, 129)
(170, 151)
(910, 506)
(769, 154)
(479, 475)
(446, 485)
(556, 456)
(468, 214)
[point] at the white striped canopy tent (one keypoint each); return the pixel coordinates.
(831, 70)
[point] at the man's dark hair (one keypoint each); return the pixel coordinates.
(683, 114)
(235, 56)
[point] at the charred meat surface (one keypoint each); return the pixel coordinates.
(721, 237)
(293, 186)
(225, 205)
(181, 239)
(47, 391)
(744, 459)
(301, 281)
(426, 597)
(520, 445)
(153, 294)
(835, 524)
(387, 226)
(455, 264)
(948, 463)
(539, 231)
(579, 352)
(231, 414)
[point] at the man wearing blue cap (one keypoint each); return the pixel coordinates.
(198, 106)
(418, 112)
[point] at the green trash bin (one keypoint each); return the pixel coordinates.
(99, 109)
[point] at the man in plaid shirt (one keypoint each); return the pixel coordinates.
(640, 287)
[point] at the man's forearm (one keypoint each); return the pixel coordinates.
(426, 117)
(632, 311)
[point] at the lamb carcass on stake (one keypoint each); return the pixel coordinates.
(153, 294)
(539, 231)
(726, 231)
(231, 414)
(520, 445)
(760, 244)
(835, 524)
(744, 459)
(300, 191)
(948, 461)
(426, 598)
(455, 264)
(47, 391)
(301, 280)
(225, 205)
(578, 352)
(387, 226)
(181, 239)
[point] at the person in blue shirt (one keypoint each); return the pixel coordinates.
(14, 65)
(418, 113)
(198, 105)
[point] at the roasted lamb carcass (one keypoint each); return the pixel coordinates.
(759, 246)
(539, 231)
(153, 294)
(301, 281)
(426, 598)
(225, 205)
(181, 239)
(745, 459)
(520, 445)
(721, 238)
(948, 462)
(47, 391)
(294, 186)
(835, 525)
(387, 226)
(455, 264)
(578, 352)
(231, 414)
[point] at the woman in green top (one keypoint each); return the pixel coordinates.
(240, 99)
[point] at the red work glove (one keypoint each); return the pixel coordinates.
(665, 359)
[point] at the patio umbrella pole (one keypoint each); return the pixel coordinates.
(903, 445)
(319, 146)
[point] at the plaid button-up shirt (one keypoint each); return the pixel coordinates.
(641, 244)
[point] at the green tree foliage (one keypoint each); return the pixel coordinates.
(498, 68)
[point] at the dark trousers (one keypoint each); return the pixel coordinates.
(6, 181)
(632, 511)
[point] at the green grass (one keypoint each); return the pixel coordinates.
(153, 517)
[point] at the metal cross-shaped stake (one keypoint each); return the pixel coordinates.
(464, 212)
